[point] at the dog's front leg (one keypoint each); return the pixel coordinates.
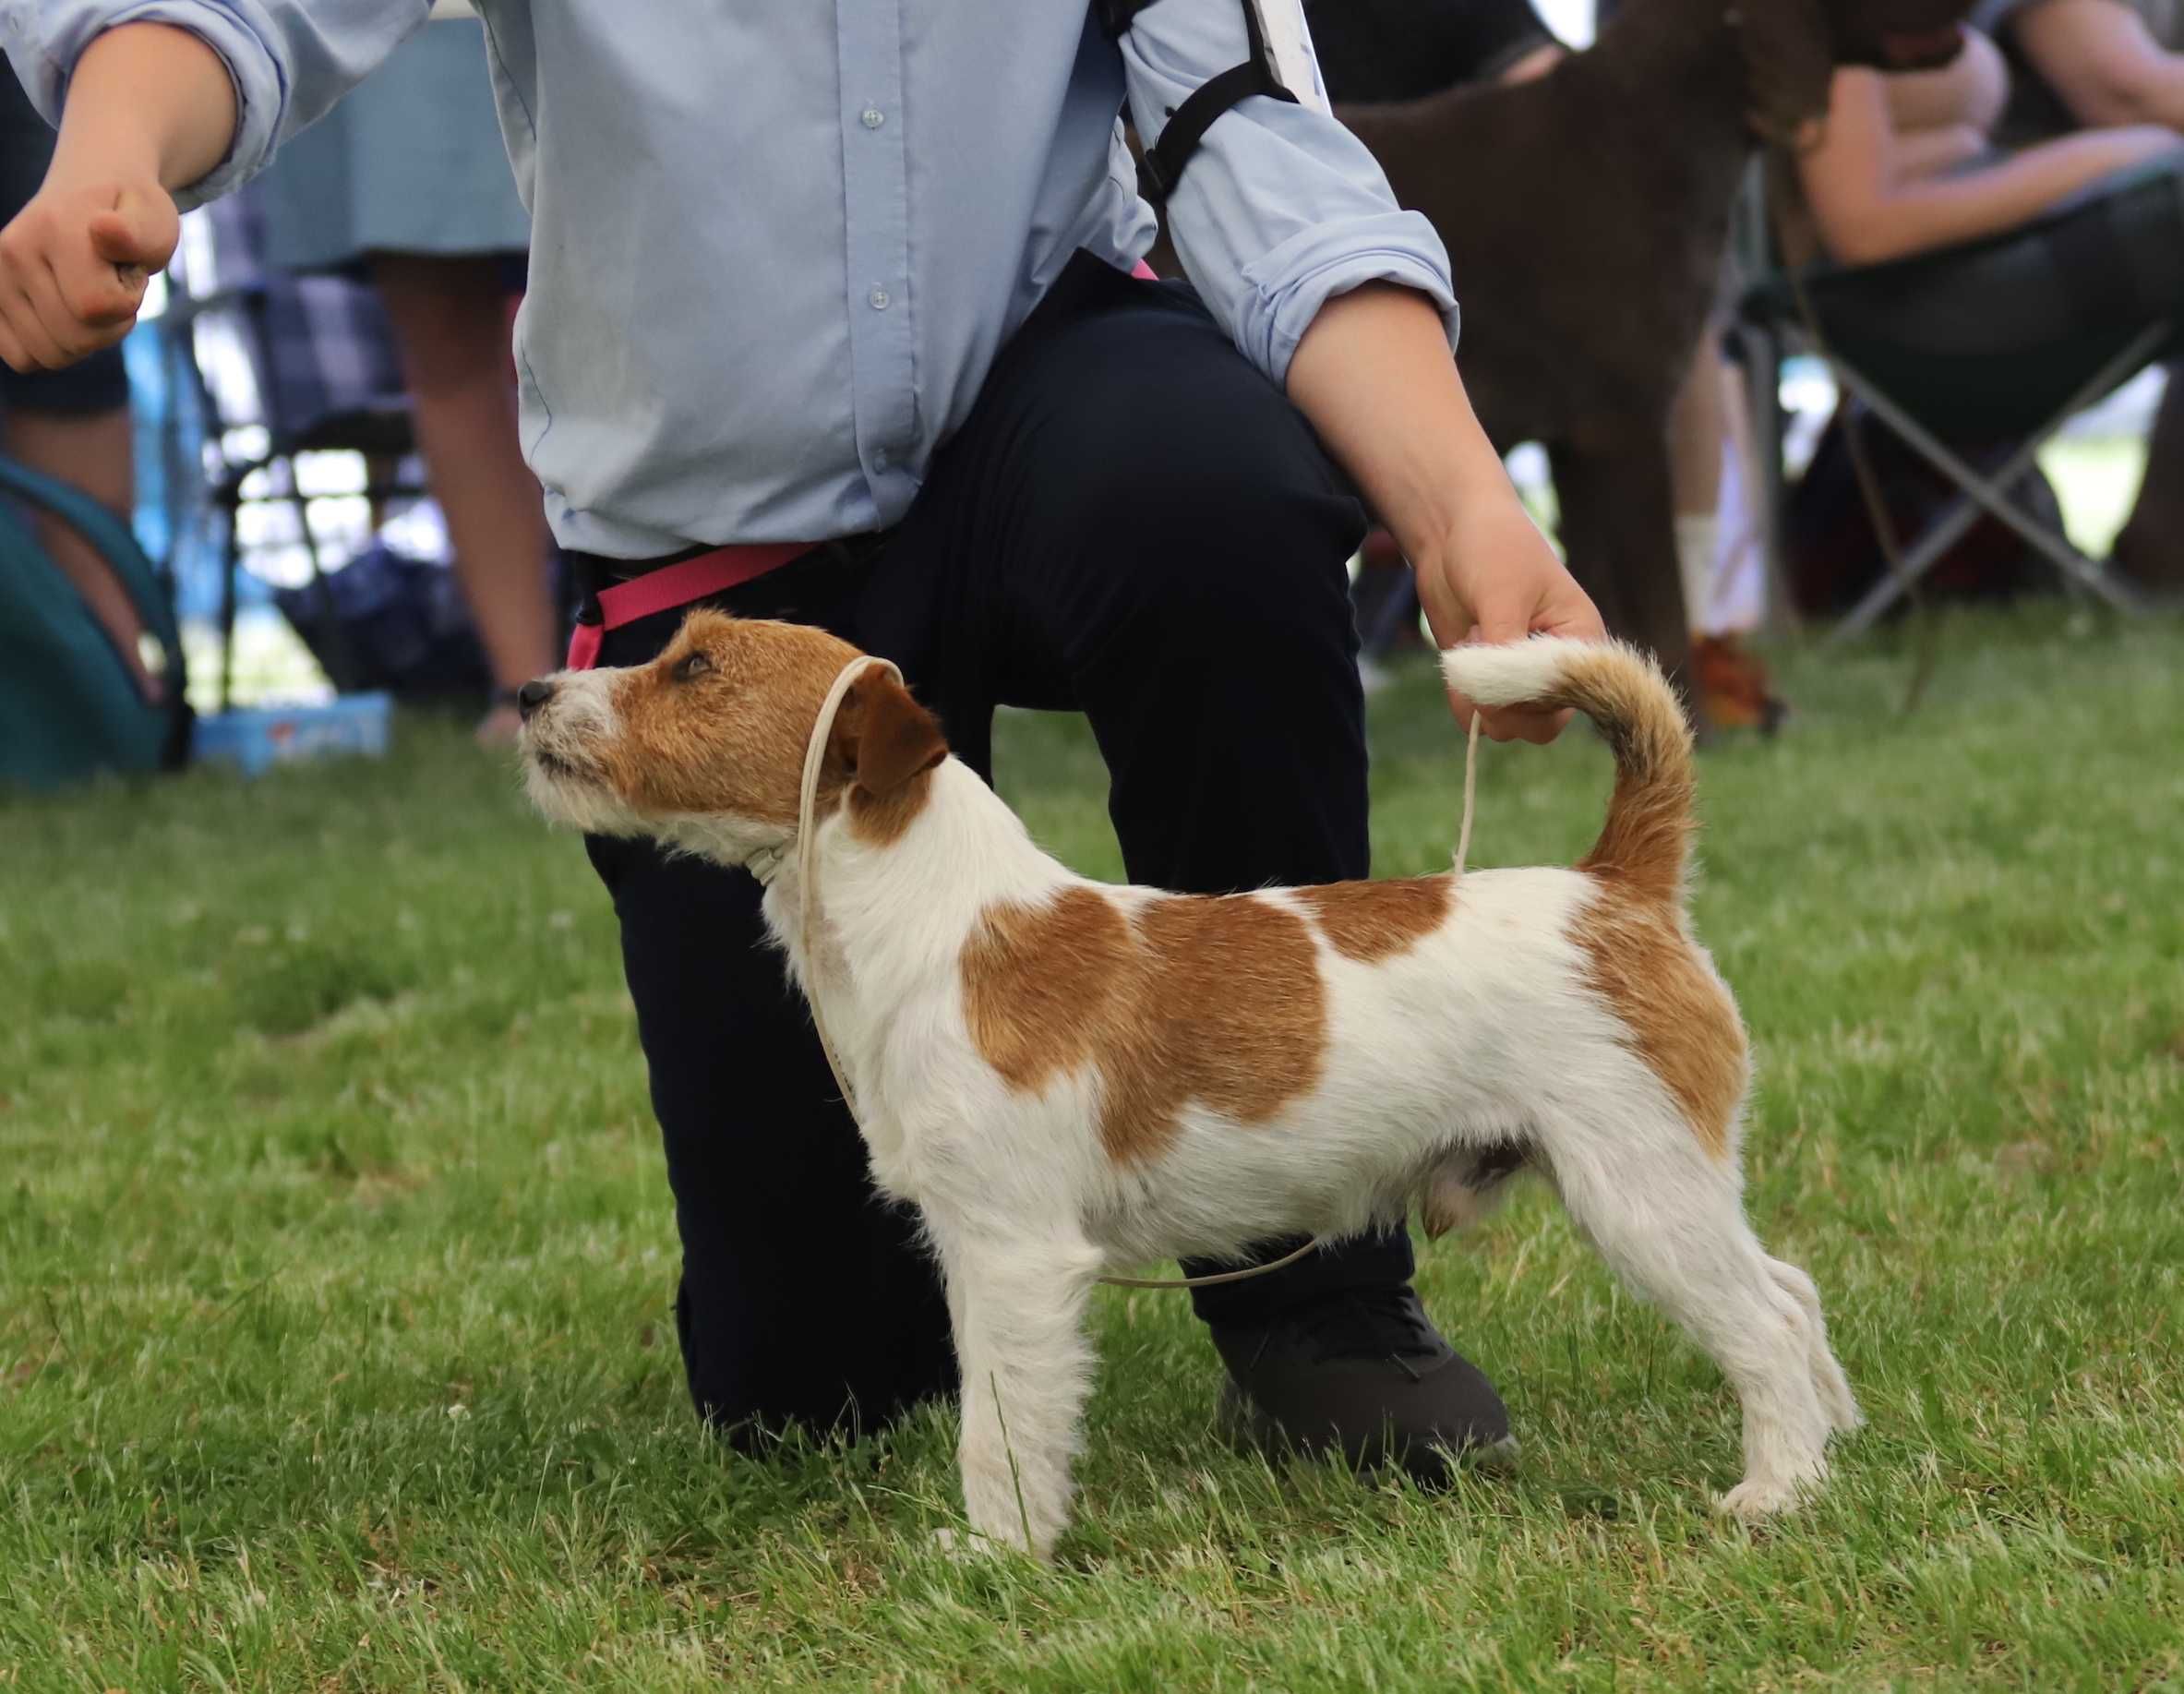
(1018, 1299)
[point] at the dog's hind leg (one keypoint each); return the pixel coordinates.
(1666, 1214)
(1018, 1301)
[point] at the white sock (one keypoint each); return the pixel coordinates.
(1698, 537)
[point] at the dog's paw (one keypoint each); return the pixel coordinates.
(960, 1546)
(964, 1546)
(1757, 1498)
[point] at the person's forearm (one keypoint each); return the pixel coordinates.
(2104, 61)
(2152, 93)
(1375, 376)
(1918, 215)
(150, 99)
(1935, 152)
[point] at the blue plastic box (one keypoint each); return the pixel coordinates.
(257, 738)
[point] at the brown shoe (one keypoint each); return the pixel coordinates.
(1733, 688)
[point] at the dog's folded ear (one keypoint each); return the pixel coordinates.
(885, 737)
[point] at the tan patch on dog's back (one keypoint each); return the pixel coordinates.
(1370, 921)
(1682, 1021)
(1212, 1001)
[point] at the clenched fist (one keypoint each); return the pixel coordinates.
(73, 265)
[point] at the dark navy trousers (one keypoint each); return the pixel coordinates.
(1134, 523)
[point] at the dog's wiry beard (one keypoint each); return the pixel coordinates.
(570, 795)
(569, 756)
(561, 772)
(566, 793)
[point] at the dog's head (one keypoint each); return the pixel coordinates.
(704, 747)
(1792, 48)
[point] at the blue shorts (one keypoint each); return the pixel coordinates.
(100, 383)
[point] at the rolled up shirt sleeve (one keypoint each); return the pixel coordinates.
(1281, 208)
(289, 60)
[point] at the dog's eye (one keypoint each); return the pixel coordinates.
(692, 665)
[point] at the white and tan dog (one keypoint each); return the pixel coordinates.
(1067, 1077)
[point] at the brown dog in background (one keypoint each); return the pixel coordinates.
(1586, 214)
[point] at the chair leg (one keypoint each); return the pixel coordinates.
(339, 662)
(1923, 556)
(1993, 494)
(231, 562)
(1762, 357)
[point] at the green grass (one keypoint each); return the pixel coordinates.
(336, 1254)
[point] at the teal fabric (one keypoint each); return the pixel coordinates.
(68, 707)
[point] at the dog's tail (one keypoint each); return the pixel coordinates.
(1646, 844)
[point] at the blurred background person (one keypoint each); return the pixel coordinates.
(2091, 63)
(1907, 164)
(2098, 63)
(71, 424)
(1918, 163)
(406, 182)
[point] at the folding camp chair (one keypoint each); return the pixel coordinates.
(321, 378)
(2003, 340)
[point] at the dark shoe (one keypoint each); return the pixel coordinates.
(1363, 1373)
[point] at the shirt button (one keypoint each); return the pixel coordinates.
(880, 460)
(873, 117)
(878, 298)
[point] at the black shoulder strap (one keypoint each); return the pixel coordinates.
(1162, 166)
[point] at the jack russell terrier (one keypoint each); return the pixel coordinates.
(1065, 1076)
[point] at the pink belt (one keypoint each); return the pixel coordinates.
(673, 585)
(694, 579)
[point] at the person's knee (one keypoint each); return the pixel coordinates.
(1262, 546)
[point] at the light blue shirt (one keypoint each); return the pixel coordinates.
(775, 243)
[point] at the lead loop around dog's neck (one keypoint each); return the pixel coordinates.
(766, 863)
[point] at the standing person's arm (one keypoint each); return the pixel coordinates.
(1289, 230)
(177, 104)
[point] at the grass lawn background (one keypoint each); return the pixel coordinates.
(336, 1259)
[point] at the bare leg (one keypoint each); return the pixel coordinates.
(92, 453)
(451, 326)
(1728, 678)
(1696, 427)
(1697, 424)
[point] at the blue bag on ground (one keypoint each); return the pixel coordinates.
(387, 622)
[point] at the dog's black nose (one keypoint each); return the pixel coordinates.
(532, 695)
